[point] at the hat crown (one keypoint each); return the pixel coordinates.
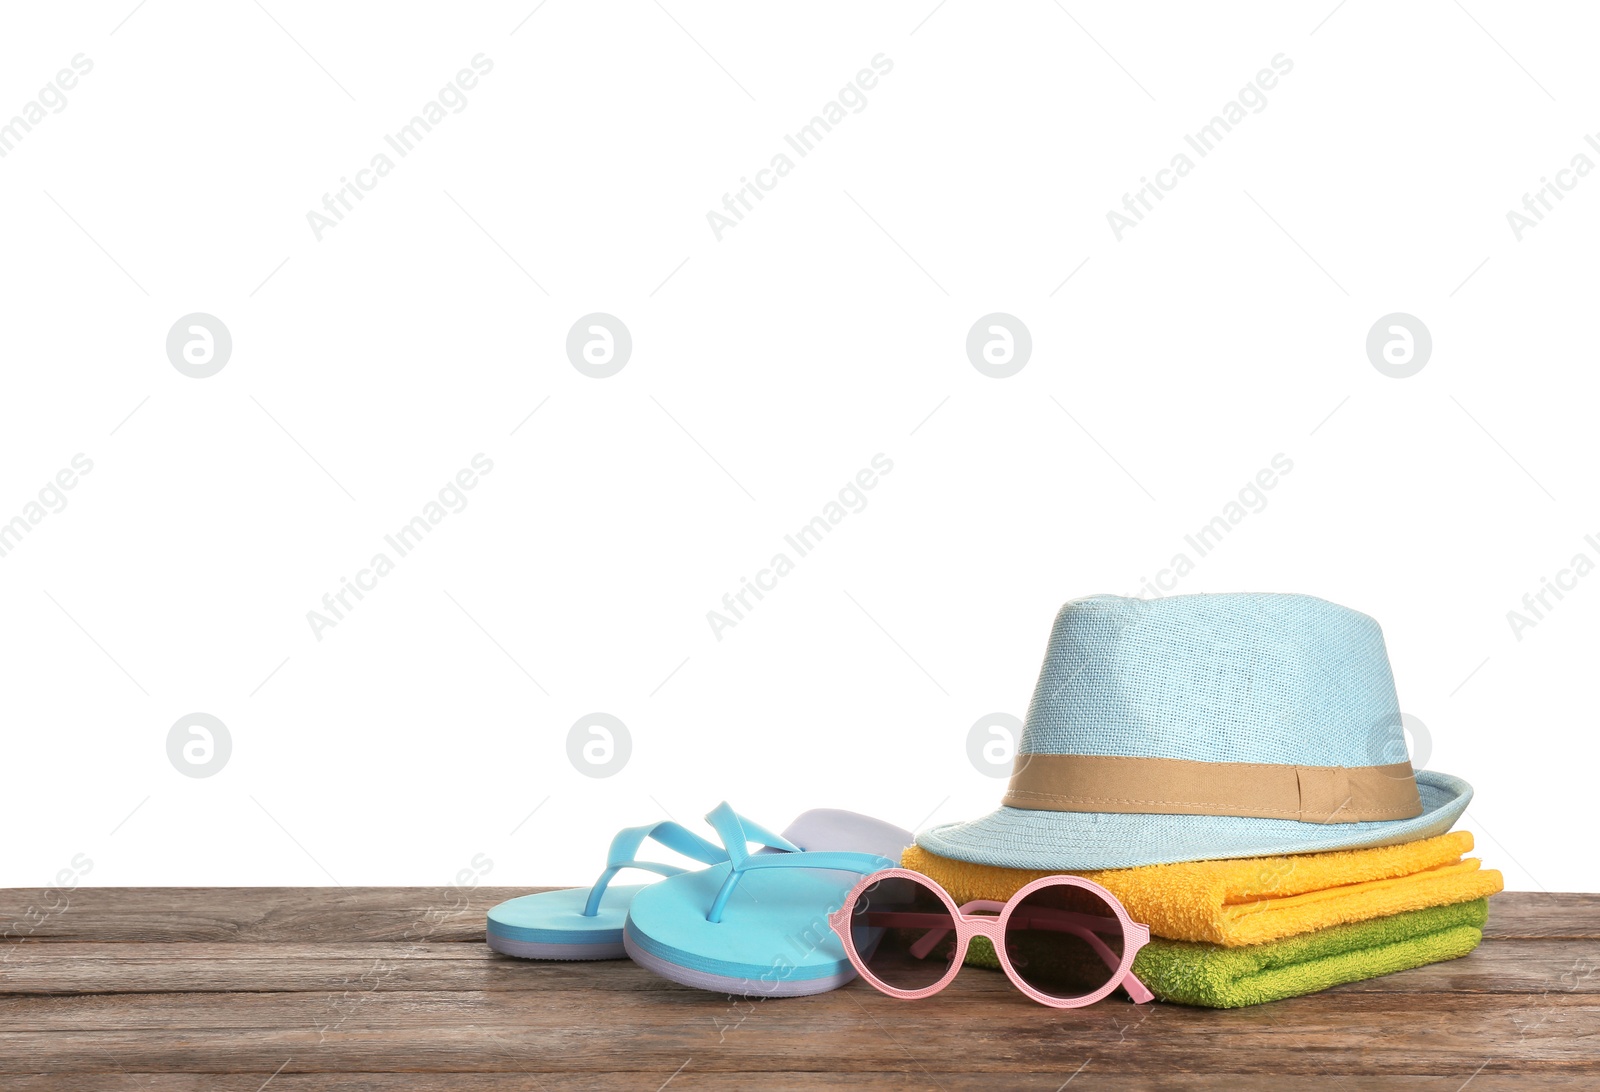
(1239, 677)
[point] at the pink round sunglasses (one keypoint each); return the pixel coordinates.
(992, 920)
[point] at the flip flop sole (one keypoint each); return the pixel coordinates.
(747, 987)
(551, 925)
(774, 939)
(527, 949)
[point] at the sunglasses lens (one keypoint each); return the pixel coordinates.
(1064, 941)
(904, 934)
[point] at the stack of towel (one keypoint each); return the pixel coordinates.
(1239, 932)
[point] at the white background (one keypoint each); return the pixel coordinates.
(767, 369)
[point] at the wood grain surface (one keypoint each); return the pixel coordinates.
(382, 989)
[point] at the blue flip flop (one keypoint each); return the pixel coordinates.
(579, 923)
(757, 925)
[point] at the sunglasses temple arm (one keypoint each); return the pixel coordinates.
(908, 920)
(922, 947)
(1107, 956)
(1138, 991)
(1068, 922)
(929, 941)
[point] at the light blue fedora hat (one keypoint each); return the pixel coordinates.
(1207, 726)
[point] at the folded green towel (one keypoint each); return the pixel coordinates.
(1194, 973)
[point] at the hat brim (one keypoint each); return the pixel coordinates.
(1075, 841)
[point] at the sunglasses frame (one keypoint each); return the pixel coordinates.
(993, 927)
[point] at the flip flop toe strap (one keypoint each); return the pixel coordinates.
(625, 847)
(736, 833)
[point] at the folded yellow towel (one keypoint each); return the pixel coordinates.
(1256, 899)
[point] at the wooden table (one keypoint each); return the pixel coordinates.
(391, 988)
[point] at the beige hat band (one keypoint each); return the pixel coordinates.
(1178, 786)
